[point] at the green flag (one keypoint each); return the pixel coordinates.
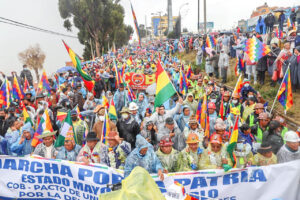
(66, 131)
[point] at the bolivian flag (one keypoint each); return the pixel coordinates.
(112, 113)
(233, 140)
(164, 87)
(88, 81)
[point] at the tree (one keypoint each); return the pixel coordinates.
(34, 58)
(97, 20)
(185, 30)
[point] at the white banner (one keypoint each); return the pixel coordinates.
(274, 182)
(37, 178)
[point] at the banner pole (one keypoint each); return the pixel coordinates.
(279, 89)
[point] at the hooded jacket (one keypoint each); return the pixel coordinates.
(25, 148)
(149, 161)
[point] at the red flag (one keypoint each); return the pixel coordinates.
(221, 112)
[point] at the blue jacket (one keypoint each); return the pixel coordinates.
(25, 148)
(149, 161)
(63, 154)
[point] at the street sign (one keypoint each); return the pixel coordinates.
(209, 25)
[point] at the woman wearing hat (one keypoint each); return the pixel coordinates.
(167, 155)
(214, 157)
(190, 156)
(90, 153)
(46, 149)
(265, 156)
(115, 153)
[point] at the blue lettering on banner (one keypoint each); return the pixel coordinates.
(101, 178)
(259, 175)
(234, 177)
(198, 182)
(15, 186)
(184, 181)
(10, 164)
(31, 194)
(34, 165)
(85, 187)
(82, 173)
(213, 180)
(23, 165)
(116, 178)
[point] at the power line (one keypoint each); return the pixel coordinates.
(30, 27)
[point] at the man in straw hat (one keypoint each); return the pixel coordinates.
(90, 153)
(46, 149)
(100, 116)
(70, 150)
(115, 152)
(265, 156)
(167, 155)
(190, 156)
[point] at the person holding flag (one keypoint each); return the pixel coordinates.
(99, 121)
(115, 152)
(90, 153)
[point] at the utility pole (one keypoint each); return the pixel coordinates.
(198, 23)
(146, 25)
(204, 2)
(170, 17)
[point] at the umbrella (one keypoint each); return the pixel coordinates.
(65, 69)
(151, 89)
(214, 33)
(279, 10)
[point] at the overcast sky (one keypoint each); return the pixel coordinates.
(45, 14)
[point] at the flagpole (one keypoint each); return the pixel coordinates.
(228, 106)
(279, 88)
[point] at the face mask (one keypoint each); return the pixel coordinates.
(247, 85)
(74, 118)
(2, 117)
(101, 118)
(124, 116)
(213, 100)
(234, 101)
(239, 146)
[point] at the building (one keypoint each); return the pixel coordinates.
(243, 25)
(262, 10)
(160, 24)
